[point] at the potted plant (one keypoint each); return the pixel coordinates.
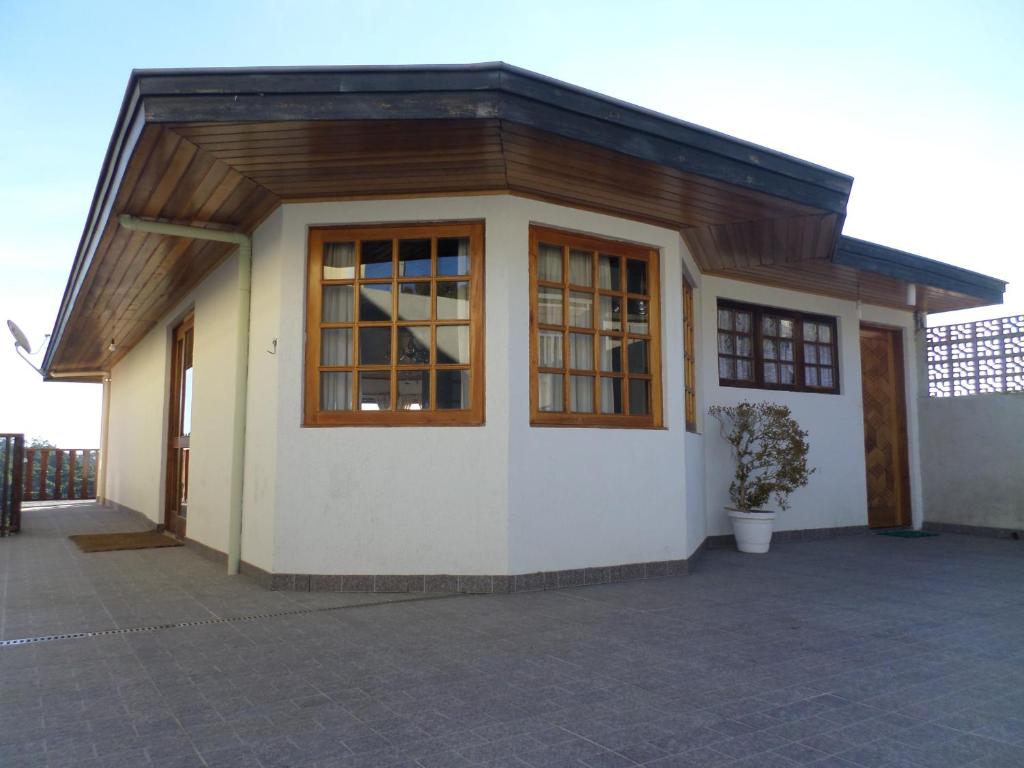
(771, 462)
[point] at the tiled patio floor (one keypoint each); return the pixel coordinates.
(861, 651)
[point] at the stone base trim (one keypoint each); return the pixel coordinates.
(985, 531)
(805, 534)
(131, 513)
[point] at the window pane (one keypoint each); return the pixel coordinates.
(414, 301)
(725, 343)
(636, 276)
(581, 351)
(453, 300)
(549, 352)
(413, 258)
(581, 309)
(726, 368)
(785, 328)
(549, 263)
(744, 370)
(811, 376)
(339, 261)
(785, 350)
(335, 391)
(611, 354)
(413, 390)
(768, 348)
(611, 313)
(375, 258)
(786, 375)
(452, 390)
(743, 346)
(337, 304)
(826, 377)
(771, 373)
(725, 319)
(453, 256)
(336, 346)
(414, 345)
(810, 331)
(581, 394)
(638, 320)
(825, 355)
(549, 306)
(452, 344)
(375, 302)
(743, 322)
(610, 273)
(374, 346)
(824, 333)
(639, 397)
(639, 357)
(581, 265)
(375, 391)
(549, 392)
(770, 326)
(810, 353)
(611, 395)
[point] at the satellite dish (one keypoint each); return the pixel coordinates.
(20, 339)
(21, 343)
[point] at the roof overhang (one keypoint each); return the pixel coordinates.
(224, 147)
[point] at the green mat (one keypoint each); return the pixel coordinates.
(908, 534)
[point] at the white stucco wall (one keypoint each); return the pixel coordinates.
(138, 412)
(973, 460)
(837, 493)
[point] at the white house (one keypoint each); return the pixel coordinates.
(457, 327)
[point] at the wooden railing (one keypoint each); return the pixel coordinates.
(59, 473)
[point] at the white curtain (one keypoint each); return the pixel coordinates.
(549, 392)
(549, 350)
(336, 346)
(580, 268)
(581, 351)
(335, 391)
(608, 273)
(337, 304)
(581, 394)
(339, 261)
(549, 263)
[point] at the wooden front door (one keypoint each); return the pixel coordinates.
(885, 427)
(179, 429)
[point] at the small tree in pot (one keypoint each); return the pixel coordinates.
(771, 462)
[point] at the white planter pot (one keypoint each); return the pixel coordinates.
(753, 530)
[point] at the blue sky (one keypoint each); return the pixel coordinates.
(922, 102)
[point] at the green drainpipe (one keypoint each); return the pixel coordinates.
(244, 243)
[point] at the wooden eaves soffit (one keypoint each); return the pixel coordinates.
(224, 147)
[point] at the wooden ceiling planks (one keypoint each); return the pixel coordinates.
(232, 175)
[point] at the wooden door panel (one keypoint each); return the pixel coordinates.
(885, 432)
(179, 429)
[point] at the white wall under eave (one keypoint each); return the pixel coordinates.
(140, 382)
(837, 494)
(137, 426)
(263, 413)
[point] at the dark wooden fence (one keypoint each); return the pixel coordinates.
(59, 473)
(11, 466)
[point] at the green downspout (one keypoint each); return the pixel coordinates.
(244, 243)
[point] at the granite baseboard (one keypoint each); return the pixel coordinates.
(985, 531)
(804, 534)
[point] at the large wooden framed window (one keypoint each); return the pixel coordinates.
(689, 358)
(595, 336)
(772, 348)
(394, 325)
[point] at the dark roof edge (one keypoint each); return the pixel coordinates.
(911, 268)
(495, 75)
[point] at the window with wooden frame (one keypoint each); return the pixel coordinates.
(394, 325)
(595, 336)
(689, 358)
(774, 348)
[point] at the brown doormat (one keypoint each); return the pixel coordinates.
(111, 542)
